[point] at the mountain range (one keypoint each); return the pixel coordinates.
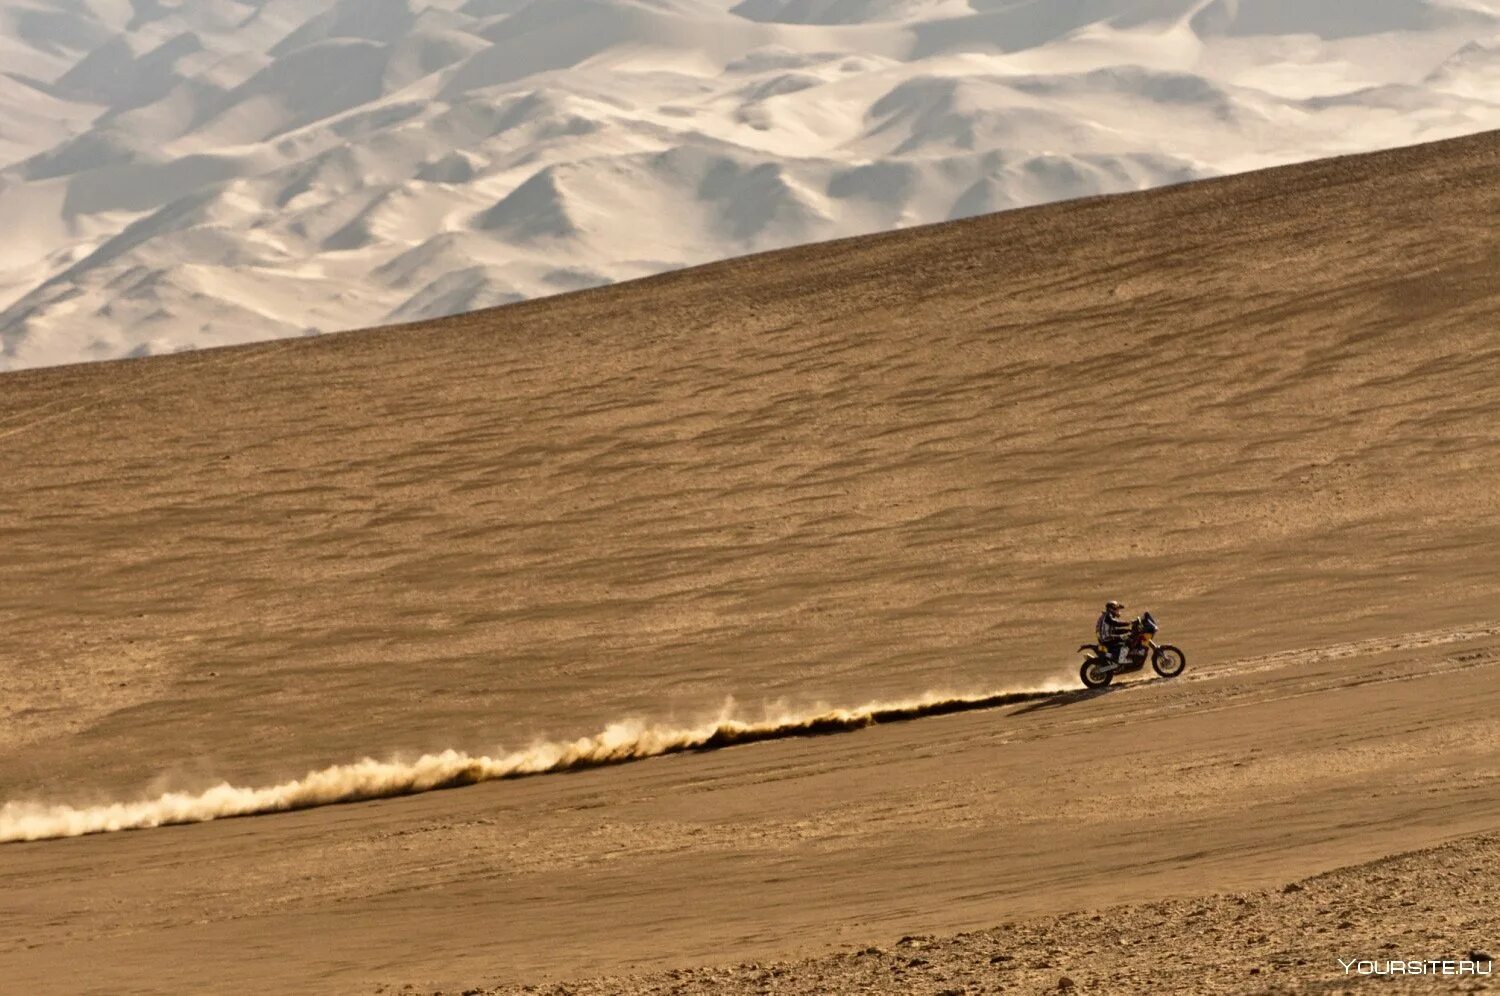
(192, 174)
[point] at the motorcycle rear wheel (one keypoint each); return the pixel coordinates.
(1168, 661)
(1094, 675)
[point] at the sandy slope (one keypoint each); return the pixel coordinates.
(1263, 406)
(1244, 775)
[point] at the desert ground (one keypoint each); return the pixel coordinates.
(1326, 934)
(1265, 407)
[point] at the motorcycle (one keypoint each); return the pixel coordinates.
(1099, 667)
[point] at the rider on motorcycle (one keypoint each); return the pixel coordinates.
(1112, 631)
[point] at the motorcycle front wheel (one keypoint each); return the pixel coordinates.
(1094, 674)
(1168, 661)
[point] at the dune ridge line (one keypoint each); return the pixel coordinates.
(367, 779)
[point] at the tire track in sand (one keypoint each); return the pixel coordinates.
(618, 743)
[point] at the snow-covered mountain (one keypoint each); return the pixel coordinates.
(199, 172)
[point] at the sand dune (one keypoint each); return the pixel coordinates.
(1262, 406)
(313, 145)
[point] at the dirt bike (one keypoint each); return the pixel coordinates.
(1100, 667)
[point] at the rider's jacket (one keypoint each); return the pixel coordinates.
(1109, 628)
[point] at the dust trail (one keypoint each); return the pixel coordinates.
(618, 743)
